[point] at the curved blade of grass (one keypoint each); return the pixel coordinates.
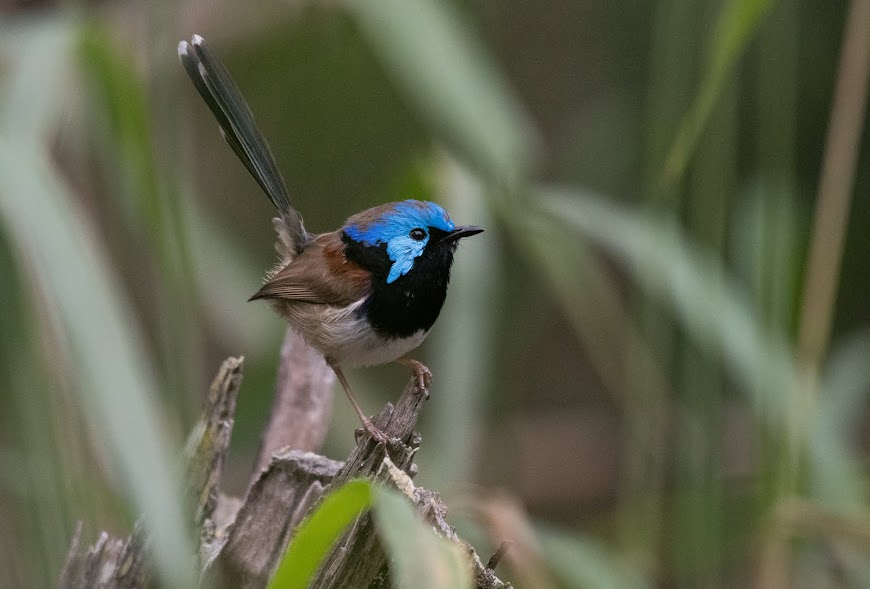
(117, 390)
(316, 535)
(845, 382)
(583, 562)
(661, 260)
(437, 63)
(840, 169)
(765, 239)
(588, 292)
(31, 63)
(225, 276)
(148, 197)
(735, 26)
(464, 343)
(119, 98)
(713, 310)
(420, 559)
(55, 244)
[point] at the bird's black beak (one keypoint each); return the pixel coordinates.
(462, 231)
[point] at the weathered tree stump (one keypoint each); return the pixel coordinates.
(242, 540)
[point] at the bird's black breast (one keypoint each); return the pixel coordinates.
(411, 302)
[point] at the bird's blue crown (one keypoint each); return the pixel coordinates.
(394, 227)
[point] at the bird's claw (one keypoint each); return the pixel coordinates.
(380, 437)
(424, 377)
(421, 373)
(374, 433)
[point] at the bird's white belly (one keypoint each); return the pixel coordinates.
(345, 337)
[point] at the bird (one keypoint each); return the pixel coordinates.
(365, 294)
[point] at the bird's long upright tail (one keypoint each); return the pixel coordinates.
(220, 93)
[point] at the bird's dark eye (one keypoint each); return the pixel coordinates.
(417, 234)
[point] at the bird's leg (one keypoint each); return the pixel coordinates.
(423, 374)
(367, 424)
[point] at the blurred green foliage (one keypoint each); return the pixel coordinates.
(617, 353)
(316, 535)
(422, 559)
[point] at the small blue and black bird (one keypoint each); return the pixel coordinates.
(365, 294)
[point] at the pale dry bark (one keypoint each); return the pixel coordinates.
(302, 403)
(242, 541)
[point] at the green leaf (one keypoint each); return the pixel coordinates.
(119, 98)
(56, 246)
(846, 380)
(588, 292)
(316, 535)
(461, 348)
(582, 562)
(735, 26)
(717, 313)
(711, 307)
(843, 390)
(143, 182)
(35, 64)
(450, 79)
(420, 559)
(226, 276)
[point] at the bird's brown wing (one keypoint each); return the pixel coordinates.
(320, 274)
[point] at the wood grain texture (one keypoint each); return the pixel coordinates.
(243, 540)
(115, 563)
(303, 402)
(276, 504)
(357, 558)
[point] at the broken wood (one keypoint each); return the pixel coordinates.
(243, 540)
(303, 402)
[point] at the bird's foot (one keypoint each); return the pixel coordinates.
(421, 372)
(367, 426)
(374, 433)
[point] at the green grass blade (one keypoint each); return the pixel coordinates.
(33, 65)
(420, 559)
(436, 61)
(582, 562)
(119, 99)
(55, 244)
(845, 382)
(117, 389)
(715, 312)
(143, 182)
(464, 343)
(846, 379)
(735, 27)
(588, 292)
(226, 276)
(316, 535)
(693, 282)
